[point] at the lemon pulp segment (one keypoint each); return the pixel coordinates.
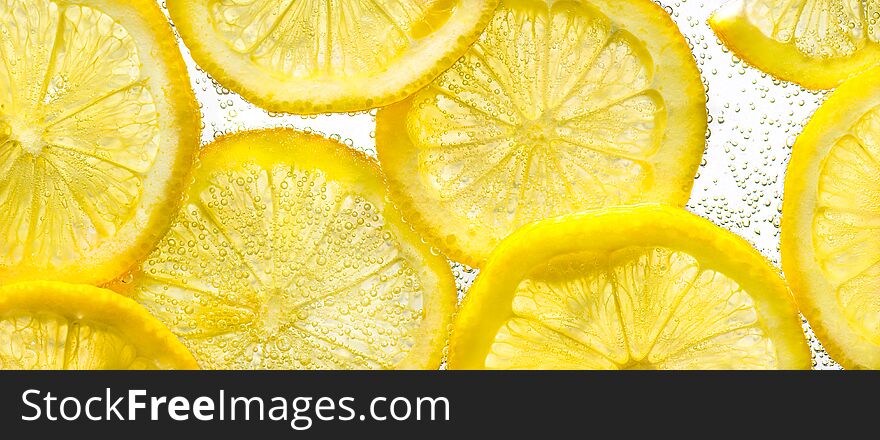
(645, 287)
(286, 255)
(831, 222)
(560, 106)
(815, 43)
(97, 128)
(327, 55)
(60, 326)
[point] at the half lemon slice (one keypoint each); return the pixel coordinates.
(287, 256)
(98, 129)
(327, 55)
(831, 222)
(643, 287)
(559, 107)
(60, 326)
(814, 43)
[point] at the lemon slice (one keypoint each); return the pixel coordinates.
(98, 128)
(641, 287)
(559, 107)
(286, 256)
(60, 326)
(831, 222)
(327, 55)
(814, 43)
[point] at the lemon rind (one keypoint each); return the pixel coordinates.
(80, 301)
(784, 61)
(613, 228)
(275, 94)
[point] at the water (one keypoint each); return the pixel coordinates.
(753, 122)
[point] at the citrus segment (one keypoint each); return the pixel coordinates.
(327, 55)
(98, 126)
(560, 106)
(815, 43)
(286, 255)
(831, 222)
(59, 326)
(644, 287)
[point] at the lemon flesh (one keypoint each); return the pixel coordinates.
(830, 228)
(815, 43)
(286, 256)
(644, 287)
(845, 230)
(59, 326)
(327, 55)
(559, 107)
(96, 131)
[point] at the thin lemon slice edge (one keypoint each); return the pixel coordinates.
(639, 287)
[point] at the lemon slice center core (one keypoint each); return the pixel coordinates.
(26, 133)
(538, 131)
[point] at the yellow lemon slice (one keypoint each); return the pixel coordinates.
(60, 326)
(644, 287)
(559, 107)
(327, 55)
(98, 128)
(831, 222)
(814, 43)
(287, 256)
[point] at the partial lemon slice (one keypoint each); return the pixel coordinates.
(327, 55)
(814, 43)
(641, 287)
(560, 106)
(831, 222)
(60, 326)
(98, 128)
(287, 256)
